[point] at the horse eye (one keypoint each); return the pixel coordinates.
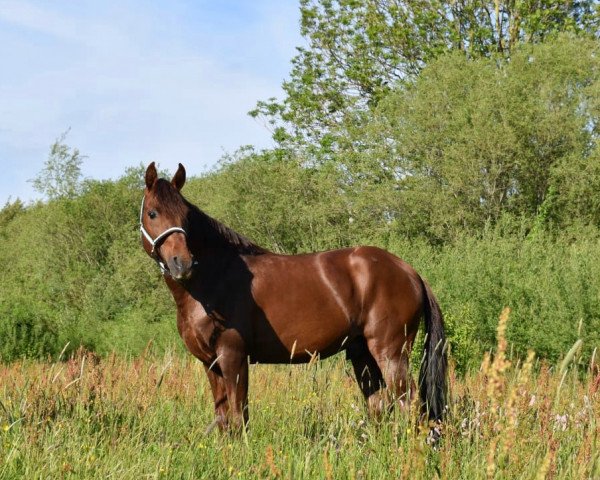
(152, 214)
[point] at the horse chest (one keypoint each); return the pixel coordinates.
(198, 335)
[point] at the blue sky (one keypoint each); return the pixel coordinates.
(137, 81)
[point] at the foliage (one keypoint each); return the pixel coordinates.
(274, 199)
(472, 140)
(25, 332)
(550, 283)
(573, 193)
(61, 176)
(66, 270)
(9, 212)
(356, 51)
(75, 271)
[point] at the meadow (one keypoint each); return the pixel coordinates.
(146, 417)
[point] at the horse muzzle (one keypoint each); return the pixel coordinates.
(180, 269)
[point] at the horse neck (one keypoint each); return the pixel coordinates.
(209, 236)
(212, 265)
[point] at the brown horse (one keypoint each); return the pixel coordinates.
(238, 303)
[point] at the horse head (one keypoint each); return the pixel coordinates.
(163, 223)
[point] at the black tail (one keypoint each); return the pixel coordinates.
(432, 377)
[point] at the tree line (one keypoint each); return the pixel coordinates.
(461, 136)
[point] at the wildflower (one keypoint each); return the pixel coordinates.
(5, 427)
(560, 422)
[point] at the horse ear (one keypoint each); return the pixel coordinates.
(151, 175)
(179, 178)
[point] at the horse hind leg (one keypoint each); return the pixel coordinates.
(400, 388)
(368, 375)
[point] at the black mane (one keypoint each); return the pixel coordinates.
(199, 225)
(215, 234)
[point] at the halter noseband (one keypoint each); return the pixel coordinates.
(156, 241)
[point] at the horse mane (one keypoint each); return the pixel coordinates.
(201, 226)
(216, 234)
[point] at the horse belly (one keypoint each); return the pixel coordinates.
(301, 314)
(298, 337)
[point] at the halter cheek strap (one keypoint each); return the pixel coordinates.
(156, 241)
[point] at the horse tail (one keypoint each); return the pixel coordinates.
(432, 375)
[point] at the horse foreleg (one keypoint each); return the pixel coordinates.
(217, 385)
(234, 367)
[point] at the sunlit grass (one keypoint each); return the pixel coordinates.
(146, 418)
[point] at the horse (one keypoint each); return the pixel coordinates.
(239, 303)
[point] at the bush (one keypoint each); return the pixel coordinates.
(26, 332)
(550, 282)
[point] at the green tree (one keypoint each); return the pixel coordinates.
(276, 200)
(61, 175)
(9, 212)
(472, 139)
(357, 50)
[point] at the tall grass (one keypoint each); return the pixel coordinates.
(146, 418)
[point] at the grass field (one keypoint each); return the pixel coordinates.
(146, 418)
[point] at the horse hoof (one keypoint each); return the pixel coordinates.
(211, 426)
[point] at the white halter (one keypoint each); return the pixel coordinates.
(156, 241)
